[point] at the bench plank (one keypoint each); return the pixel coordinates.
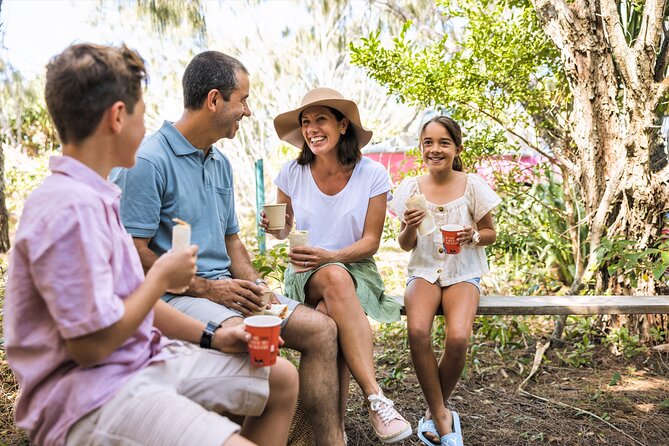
(577, 305)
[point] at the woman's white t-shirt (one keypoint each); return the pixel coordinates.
(333, 221)
(428, 259)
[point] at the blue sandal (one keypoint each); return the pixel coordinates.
(425, 426)
(455, 437)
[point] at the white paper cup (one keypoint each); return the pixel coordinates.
(276, 214)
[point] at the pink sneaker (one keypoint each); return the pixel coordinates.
(388, 424)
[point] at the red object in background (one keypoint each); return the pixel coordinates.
(521, 166)
(395, 163)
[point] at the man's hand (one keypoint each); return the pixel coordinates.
(241, 295)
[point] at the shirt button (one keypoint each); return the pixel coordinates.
(441, 250)
(439, 271)
(440, 209)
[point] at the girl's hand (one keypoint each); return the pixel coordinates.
(264, 223)
(307, 258)
(176, 268)
(465, 236)
(413, 217)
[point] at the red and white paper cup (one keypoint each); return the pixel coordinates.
(449, 233)
(264, 343)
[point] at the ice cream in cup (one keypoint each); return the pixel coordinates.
(180, 234)
(298, 238)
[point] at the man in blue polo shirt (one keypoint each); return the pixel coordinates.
(179, 173)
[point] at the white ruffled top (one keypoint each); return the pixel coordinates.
(428, 259)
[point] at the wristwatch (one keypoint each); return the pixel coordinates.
(259, 281)
(476, 238)
(208, 334)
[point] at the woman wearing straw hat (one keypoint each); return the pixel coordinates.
(340, 198)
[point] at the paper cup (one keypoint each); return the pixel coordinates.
(266, 298)
(298, 238)
(264, 344)
(276, 214)
(449, 233)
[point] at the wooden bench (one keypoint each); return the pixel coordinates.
(576, 305)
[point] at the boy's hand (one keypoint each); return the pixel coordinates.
(413, 217)
(233, 339)
(176, 269)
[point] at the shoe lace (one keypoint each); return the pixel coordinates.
(384, 407)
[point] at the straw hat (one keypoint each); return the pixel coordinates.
(288, 125)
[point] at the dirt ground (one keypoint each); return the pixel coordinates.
(494, 412)
(634, 411)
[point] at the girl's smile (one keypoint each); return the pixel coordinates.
(438, 148)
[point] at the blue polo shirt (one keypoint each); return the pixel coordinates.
(174, 179)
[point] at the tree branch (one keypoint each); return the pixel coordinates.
(554, 159)
(625, 60)
(405, 16)
(662, 59)
(651, 24)
(558, 19)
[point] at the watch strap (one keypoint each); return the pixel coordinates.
(208, 334)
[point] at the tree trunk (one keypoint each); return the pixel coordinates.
(4, 215)
(615, 96)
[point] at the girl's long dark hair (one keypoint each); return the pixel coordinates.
(453, 130)
(348, 151)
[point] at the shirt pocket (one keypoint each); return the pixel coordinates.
(225, 205)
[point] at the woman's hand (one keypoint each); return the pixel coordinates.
(307, 258)
(264, 223)
(413, 217)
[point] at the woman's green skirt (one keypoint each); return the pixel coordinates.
(368, 286)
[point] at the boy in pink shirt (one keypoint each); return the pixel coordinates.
(81, 320)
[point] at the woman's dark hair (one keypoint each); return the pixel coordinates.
(453, 130)
(348, 152)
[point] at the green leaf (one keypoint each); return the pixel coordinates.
(615, 379)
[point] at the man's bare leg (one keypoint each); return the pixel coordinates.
(314, 335)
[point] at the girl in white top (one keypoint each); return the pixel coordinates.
(438, 279)
(340, 198)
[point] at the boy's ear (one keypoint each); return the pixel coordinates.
(116, 116)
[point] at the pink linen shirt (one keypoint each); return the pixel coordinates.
(70, 269)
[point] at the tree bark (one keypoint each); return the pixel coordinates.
(613, 126)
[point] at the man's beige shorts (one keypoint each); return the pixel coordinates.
(178, 402)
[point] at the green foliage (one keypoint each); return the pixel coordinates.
(623, 258)
(578, 355)
(272, 265)
(622, 342)
(533, 247)
(497, 73)
(503, 332)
